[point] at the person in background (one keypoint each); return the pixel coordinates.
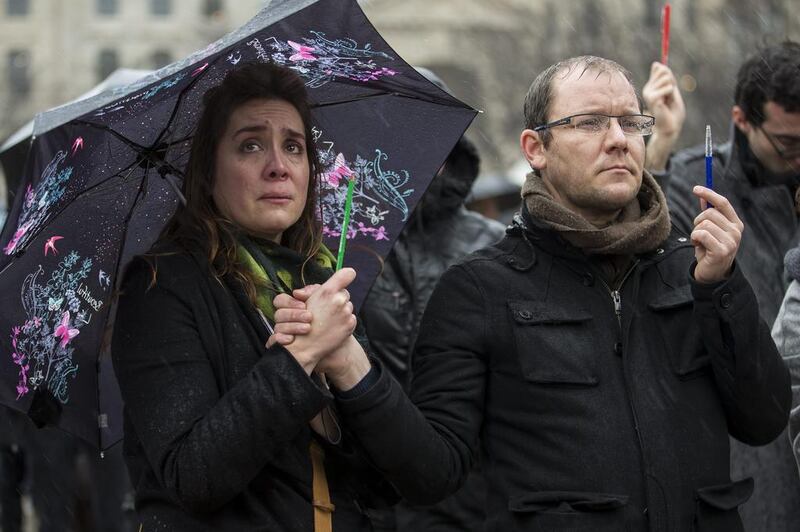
(786, 333)
(440, 233)
(758, 170)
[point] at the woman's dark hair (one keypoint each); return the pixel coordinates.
(772, 74)
(199, 225)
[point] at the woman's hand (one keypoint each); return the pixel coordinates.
(291, 316)
(331, 314)
(345, 366)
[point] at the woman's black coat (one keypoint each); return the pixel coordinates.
(217, 426)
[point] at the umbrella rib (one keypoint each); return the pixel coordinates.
(398, 94)
(181, 96)
(123, 138)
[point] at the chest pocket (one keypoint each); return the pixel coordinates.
(676, 331)
(554, 344)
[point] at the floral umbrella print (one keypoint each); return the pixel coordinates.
(100, 187)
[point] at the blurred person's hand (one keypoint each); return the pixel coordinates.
(663, 100)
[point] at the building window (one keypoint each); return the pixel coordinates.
(212, 8)
(161, 7)
(161, 58)
(107, 62)
(107, 7)
(19, 81)
(17, 7)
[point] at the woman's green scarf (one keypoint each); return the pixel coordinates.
(280, 270)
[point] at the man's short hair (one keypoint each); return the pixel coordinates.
(771, 75)
(540, 93)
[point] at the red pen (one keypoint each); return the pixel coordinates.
(665, 33)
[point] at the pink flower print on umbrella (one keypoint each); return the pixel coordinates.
(64, 331)
(380, 233)
(340, 171)
(303, 52)
(51, 244)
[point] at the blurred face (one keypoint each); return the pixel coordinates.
(262, 170)
(594, 175)
(776, 142)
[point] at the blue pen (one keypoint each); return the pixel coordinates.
(709, 161)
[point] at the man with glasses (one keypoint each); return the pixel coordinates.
(599, 357)
(758, 170)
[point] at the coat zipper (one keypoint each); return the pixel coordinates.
(616, 298)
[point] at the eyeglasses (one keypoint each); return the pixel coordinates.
(792, 151)
(634, 125)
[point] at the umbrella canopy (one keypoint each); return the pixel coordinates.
(99, 188)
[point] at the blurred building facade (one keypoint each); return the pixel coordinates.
(488, 52)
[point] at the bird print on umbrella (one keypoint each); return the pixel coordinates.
(78, 144)
(50, 245)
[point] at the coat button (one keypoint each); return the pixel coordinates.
(525, 314)
(588, 279)
(682, 239)
(659, 251)
(725, 300)
(618, 348)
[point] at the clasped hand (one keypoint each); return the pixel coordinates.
(316, 323)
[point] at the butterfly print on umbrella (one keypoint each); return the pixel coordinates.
(320, 60)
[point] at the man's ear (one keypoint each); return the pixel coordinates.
(740, 120)
(533, 149)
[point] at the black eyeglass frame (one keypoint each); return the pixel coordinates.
(568, 120)
(786, 155)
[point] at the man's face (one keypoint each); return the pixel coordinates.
(776, 142)
(594, 175)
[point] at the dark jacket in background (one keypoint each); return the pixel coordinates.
(217, 426)
(588, 419)
(440, 233)
(767, 208)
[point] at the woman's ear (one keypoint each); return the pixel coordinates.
(533, 149)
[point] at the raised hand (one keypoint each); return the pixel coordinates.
(663, 100)
(716, 236)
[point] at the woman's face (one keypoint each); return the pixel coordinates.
(262, 169)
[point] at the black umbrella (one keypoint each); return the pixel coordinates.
(101, 186)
